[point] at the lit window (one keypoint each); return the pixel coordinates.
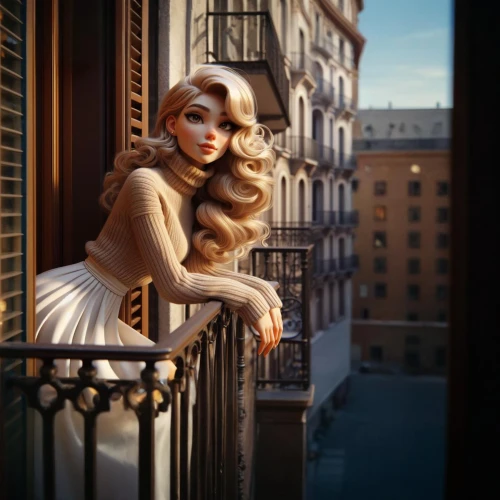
(379, 239)
(380, 213)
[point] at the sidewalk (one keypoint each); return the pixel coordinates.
(387, 443)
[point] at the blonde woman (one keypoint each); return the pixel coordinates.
(186, 199)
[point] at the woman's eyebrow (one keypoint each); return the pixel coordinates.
(204, 108)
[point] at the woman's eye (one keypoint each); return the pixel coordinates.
(193, 117)
(226, 126)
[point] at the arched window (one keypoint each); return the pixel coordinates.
(341, 198)
(284, 201)
(283, 26)
(302, 128)
(302, 42)
(318, 126)
(330, 192)
(302, 201)
(318, 201)
(341, 92)
(341, 147)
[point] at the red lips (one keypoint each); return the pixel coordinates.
(208, 146)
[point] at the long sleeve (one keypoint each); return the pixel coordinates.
(173, 282)
(195, 262)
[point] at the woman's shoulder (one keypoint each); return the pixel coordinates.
(145, 174)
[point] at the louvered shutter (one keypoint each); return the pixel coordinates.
(133, 99)
(13, 219)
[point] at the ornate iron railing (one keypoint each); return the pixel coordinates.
(344, 103)
(326, 156)
(291, 234)
(210, 348)
(325, 266)
(302, 62)
(233, 37)
(303, 148)
(324, 45)
(347, 218)
(348, 264)
(324, 92)
(287, 366)
(345, 161)
(325, 218)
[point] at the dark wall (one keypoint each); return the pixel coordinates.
(474, 375)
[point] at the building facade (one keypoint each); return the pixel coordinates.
(400, 299)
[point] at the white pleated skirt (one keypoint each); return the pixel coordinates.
(79, 304)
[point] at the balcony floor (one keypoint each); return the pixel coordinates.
(386, 443)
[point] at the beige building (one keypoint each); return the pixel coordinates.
(400, 296)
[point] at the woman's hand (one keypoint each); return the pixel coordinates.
(270, 329)
(275, 314)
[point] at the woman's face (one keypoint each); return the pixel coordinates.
(202, 129)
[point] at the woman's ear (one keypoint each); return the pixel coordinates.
(170, 124)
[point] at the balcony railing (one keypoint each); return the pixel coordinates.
(326, 156)
(287, 366)
(302, 62)
(346, 218)
(324, 92)
(344, 103)
(243, 37)
(324, 218)
(324, 266)
(207, 428)
(324, 45)
(345, 162)
(303, 148)
(291, 234)
(347, 264)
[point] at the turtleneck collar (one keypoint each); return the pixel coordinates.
(184, 177)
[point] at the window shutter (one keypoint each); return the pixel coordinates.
(132, 73)
(13, 222)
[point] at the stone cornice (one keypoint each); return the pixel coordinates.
(346, 26)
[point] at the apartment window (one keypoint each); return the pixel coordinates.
(414, 188)
(442, 266)
(441, 292)
(380, 213)
(443, 188)
(412, 359)
(380, 188)
(412, 340)
(413, 292)
(380, 265)
(341, 5)
(380, 290)
(443, 214)
(441, 357)
(414, 239)
(414, 214)
(365, 313)
(355, 185)
(441, 316)
(379, 239)
(412, 316)
(363, 291)
(413, 266)
(376, 353)
(442, 240)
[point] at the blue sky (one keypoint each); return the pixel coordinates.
(408, 56)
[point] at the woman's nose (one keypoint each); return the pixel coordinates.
(210, 135)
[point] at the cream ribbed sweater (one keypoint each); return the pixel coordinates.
(148, 235)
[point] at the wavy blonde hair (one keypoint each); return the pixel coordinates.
(241, 189)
